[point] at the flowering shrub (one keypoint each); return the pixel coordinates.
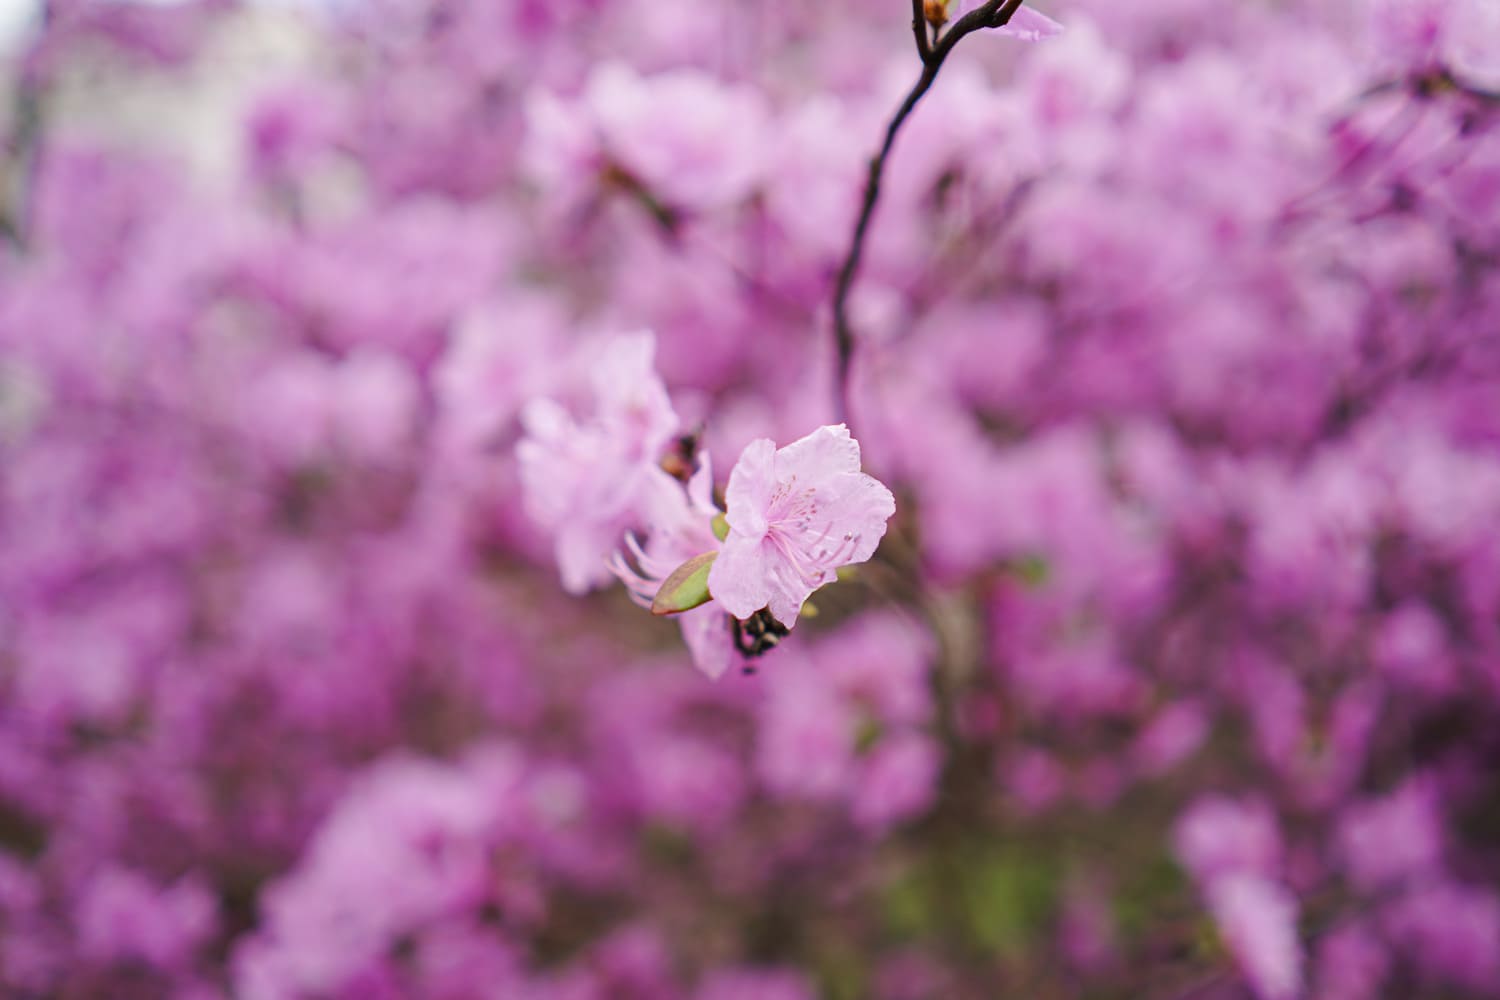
(1121, 620)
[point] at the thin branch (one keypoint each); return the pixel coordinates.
(919, 29)
(993, 14)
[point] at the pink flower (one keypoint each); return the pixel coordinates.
(899, 781)
(1394, 839)
(586, 480)
(1221, 836)
(795, 516)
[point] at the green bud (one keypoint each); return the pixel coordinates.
(686, 588)
(721, 527)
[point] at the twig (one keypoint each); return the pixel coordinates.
(919, 29)
(993, 14)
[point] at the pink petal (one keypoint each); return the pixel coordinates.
(740, 578)
(700, 488)
(751, 485)
(826, 452)
(630, 394)
(582, 554)
(785, 603)
(706, 632)
(859, 506)
(1028, 25)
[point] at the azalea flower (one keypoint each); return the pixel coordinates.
(795, 516)
(586, 480)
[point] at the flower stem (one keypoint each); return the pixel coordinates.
(993, 14)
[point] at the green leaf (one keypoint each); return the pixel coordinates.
(721, 527)
(686, 588)
(1011, 895)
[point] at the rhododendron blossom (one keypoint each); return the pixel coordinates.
(795, 516)
(586, 480)
(329, 424)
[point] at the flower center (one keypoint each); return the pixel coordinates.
(810, 559)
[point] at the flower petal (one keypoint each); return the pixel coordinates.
(826, 452)
(857, 506)
(752, 482)
(582, 552)
(700, 488)
(740, 578)
(1029, 25)
(785, 603)
(706, 632)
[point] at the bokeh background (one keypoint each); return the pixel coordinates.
(1177, 675)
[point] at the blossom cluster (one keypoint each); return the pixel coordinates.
(360, 368)
(795, 516)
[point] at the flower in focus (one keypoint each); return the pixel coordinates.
(795, 516)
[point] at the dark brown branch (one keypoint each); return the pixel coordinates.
(993, 14)
(919, 28)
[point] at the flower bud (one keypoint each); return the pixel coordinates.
(686, 588)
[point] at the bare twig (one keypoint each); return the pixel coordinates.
(993, 14)
(919, 28)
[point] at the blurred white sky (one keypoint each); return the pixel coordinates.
(16, 18)
(19, 17)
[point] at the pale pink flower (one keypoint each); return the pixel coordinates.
(586, 480)
(691, 139)
(795, 516)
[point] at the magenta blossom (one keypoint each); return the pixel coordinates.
(795, 516)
